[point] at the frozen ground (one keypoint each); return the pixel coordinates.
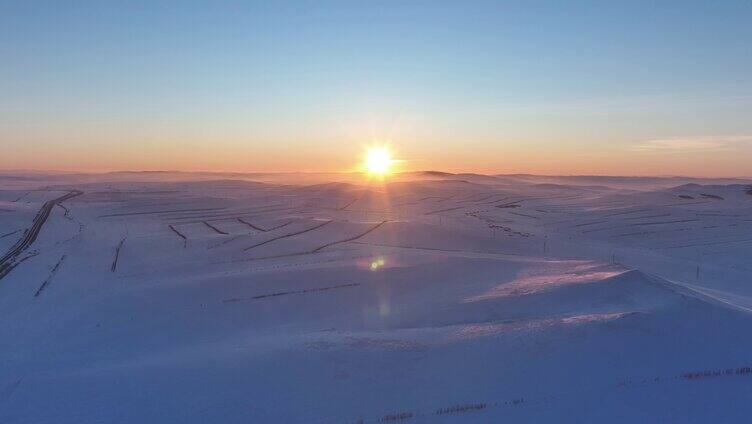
(266, 298)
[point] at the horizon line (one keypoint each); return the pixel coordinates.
(428, 171)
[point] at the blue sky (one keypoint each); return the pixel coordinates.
(552, 87)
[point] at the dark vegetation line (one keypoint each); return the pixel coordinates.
(712, 196)
(242, 221)
(662, 222)
(350, 203)
(317, 289)
(555, 223)
(351, 238)
(177, 232)
(223, 242)
(117, 255)
(215, 228)
(663, 215)
(397, 205)
(49, 277)
(707, 227)
(528, 199)
(405, 200)
(456, 409)
(185, 240)
(618, 204)
(687, 203)
(9, 234)
(266, 230)
(131, 205)
(283, 255)
(436, 249)
(472, 199)
(466, 198)
(495, 200)
(20, 197)
(720, 214)
(564, 205)
(509, 204)
(618, 227)
(692, 377)
(66, 210)
(641, 224)
(444, 210)
(78, 233)
(525, 215)
(444, 199)
(7, 269)
(224, 217)
(280, 226)
(428, 197)
(287, 235)
(700, 239)
(230, 213)
(643, 233)
(705, 244)
(389, 211)
(156, 212)
(292, 255)
(147, 192)
(396, 416)
(672, 230)
(588, 223)
(482, 198)
(30, 235)
(626, 213)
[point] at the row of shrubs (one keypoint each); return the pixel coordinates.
(460, 408)
(455, 409)
(717, 373)
(399, 416)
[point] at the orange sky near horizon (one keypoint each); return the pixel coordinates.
(625, 88)
(485, 158)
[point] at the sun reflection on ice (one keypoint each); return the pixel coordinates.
(377, 263)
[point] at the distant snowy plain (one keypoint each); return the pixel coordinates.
(429, 298)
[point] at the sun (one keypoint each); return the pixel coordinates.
(378, 161)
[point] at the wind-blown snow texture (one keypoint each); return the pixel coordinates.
(444, 298)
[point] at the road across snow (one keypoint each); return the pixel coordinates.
(29, 235)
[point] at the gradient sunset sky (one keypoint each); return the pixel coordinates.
(621, 88)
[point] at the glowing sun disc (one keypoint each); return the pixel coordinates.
(378, 161)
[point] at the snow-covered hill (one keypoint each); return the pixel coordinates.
(434, 298)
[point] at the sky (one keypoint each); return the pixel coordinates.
(597, 88)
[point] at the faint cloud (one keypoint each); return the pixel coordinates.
(693, 144)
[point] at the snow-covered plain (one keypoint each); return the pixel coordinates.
(263, 298)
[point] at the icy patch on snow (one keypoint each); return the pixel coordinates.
(581, 273)
(386, 344)
(473, 331)
(367, 342)
(588, 318)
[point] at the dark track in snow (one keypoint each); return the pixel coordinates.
(31, 234)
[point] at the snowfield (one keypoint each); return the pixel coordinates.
(431, 298)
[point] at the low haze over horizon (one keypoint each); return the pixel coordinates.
(579, 88)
